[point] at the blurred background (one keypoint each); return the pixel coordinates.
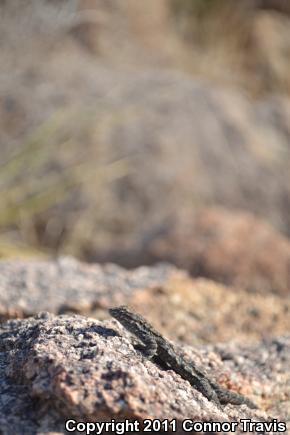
(135, 132)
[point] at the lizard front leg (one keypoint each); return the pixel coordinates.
(146, 344)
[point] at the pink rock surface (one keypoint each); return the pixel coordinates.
(58, 367)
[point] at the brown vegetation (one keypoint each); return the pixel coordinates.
(102, 142)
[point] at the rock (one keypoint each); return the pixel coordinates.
(235, 248)
(197, 311)
(59, 367)
(193, 311)
(28, 287)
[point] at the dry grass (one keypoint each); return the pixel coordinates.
(59, 167)
(42, 179)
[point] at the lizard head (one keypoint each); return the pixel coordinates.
(133, 322)
(122, 313)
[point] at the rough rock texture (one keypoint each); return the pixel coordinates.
(202, 311)
(70, 366)
(184, 309)
(235, 248)
(28, 287)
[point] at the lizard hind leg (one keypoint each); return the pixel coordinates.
(227, 396)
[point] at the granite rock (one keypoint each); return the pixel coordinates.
(28, 287)
(199, 311)
(235, 248)
(193, 311)
(59, 367)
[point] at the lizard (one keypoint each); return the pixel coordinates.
(158, 349)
